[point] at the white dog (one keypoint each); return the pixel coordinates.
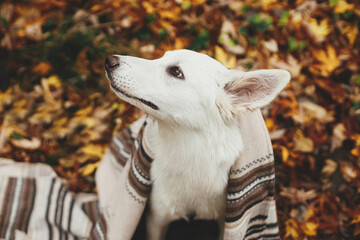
(195, 102)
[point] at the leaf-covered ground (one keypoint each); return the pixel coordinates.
(55, 106)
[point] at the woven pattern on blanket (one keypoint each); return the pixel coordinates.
(35, 204)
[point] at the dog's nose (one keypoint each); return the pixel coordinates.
(112, 62)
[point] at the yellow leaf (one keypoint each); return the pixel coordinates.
(90, 168)
(41, 117)
(223, 57)
(321, 29)
(355, 152)
(172, 14)
(351, 33)
(178, 44)
(94, 150)
(328, 60)
(356, 219)
(310, 228)
(284, 153)
(20, 33)
(356, 138)
(269, 123)
(96, 7)
(6, 98)
(84, 111)
(54, 81)
(291, 228)
(49, 98)
(149, 8)
(267, 3)
(309, 214)
(342, 6)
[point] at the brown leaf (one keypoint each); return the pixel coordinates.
(309, 111)
(335, 90)
(43, 68)
(298, 195)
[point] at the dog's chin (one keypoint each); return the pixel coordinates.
(132, 99)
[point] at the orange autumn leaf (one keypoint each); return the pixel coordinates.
(310, 228)
(291, 228)
(342, 6)
(327, 60)
(351, 32)
(90, 168)
(43, 68)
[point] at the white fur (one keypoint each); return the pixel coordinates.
(195, 138)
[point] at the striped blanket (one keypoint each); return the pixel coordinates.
(35, 204)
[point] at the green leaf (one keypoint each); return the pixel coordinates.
(243, 31)
(220, 40)
(163, 33)
(4, 21)
(16, 136)
(356, 105)
(150, 18)
(201, 41)
(245, 9)
(335, 16)
(185, 5)
(332, 3)
(357, 79)
(348, 14)
(249, 65)
(253, 40)
(302, 44)
(192, 29)
(292, 44)
(284, 18)
(259, 24)
(232, 42)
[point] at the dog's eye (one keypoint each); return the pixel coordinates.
(176, 72)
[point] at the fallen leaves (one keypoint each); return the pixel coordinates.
(224, 58)
(70, 137)
(28, 144)
(309, 111)
(302, 143)
(48, 47)
(43, 68)
(319, 29)
(328, 61)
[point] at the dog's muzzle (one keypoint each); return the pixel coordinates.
(111, 62)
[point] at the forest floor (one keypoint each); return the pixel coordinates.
(56, 108)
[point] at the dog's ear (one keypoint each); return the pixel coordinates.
(251, 90)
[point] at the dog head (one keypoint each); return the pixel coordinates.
(191, 88)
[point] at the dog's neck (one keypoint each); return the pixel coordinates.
(215, 143)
